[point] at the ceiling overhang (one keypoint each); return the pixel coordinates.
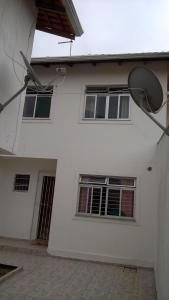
(58, 17)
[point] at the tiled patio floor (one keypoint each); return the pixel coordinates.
(51, 278)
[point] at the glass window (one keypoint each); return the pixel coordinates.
(37, 104)
(113, 107)
(97, 197)
(121, 181)
(100, 107)
(127, 203)
(124, 107)
(96, 201)
(29, 106)
(43, 107)
(113, 206)
(90, 107)
(83, 197)
(94, 179)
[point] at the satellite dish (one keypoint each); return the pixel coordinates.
(145, 89)
(31, 75)
(30, 71)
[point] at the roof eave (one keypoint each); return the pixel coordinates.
(58, 17)
(102, 58)
(73, 17)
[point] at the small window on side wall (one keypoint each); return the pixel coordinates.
(37, 104)
(21, 183)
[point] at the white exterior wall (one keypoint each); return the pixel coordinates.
(162, 259)
(66, 125)
(17, 208)
(17, 23)
(104, 148)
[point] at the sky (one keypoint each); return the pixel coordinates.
(112, 26)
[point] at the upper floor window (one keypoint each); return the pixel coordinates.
(37, 104)
(104, 196)
(106, 103)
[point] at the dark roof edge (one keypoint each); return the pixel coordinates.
(151, 56)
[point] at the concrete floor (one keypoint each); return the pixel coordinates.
(51, 278)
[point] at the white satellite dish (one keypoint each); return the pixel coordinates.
(146, 91)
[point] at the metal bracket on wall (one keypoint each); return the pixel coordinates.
(2, 106)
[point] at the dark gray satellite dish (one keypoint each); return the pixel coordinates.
(150, 92)
(30, 71)
(146, 91)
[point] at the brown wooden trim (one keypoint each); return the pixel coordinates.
(53, 18)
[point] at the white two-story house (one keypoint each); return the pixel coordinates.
(84, 178)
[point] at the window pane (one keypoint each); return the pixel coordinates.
(96, 89)
(89, 200)
(127, 204)
(113, 107)
(29, 106)
(124, 107)
(90, 105)
(100, 107)
(96, 200)
(113, 202)
(43, 107)
(103, 204)
(32, 90)
(83, 199)
(93, 179)
(122, 181)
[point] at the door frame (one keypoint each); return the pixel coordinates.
(34, 227)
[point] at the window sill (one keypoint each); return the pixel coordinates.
(102, 121)
(103, 219)
(36, 120)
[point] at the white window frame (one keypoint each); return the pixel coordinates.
(37, 95)
(107, 107)
(108, 187)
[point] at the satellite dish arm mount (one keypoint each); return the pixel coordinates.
(166, 130)
(2, 106)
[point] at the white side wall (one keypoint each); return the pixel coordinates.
(162, 259)
(105, 148)
(17, 23)
(16, 208)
